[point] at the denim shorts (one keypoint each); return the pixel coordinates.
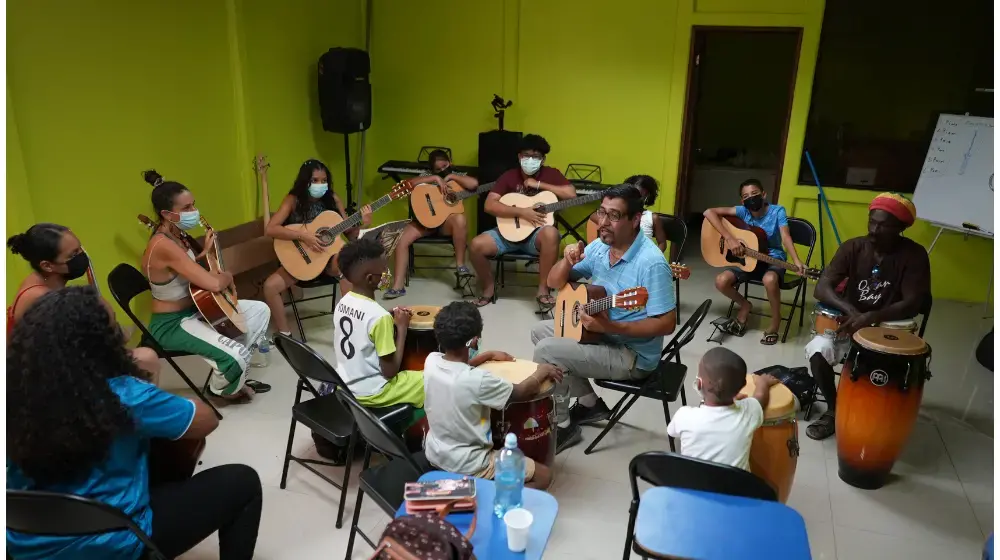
(503, 246)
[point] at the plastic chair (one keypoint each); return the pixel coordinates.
(54, 514)
(802, 233)
(660, 468)
(126, 283)
(323, 414)
(384, 483)
(663, 385)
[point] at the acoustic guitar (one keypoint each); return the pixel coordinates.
(219, 309)
(516, 230)
(594, 299)
(431, 208)
(305, 264)
(749, 258)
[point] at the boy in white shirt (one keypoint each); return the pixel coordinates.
(369, 352)
(460, 397)
(721, 429)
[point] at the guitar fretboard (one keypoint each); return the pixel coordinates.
(479, 190)
(570, 202)
(598, 305)
(354, 220)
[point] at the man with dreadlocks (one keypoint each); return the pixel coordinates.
(873, 279)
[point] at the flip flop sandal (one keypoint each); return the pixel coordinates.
(822, 428)
(735, 328)
(463, 271)
(546, 304)
(257, 386)
(483, 301)
(769, 339)
(393, 294)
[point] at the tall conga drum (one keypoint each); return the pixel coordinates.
(420, 340)
(532, 421)
(879, 396)
(774, 453)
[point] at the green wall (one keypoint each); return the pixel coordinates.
(99, 91)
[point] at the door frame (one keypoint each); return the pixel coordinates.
(690, 105)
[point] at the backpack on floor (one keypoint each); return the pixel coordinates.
(797, 379)
(425, 536)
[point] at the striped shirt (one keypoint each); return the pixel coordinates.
(642, 265)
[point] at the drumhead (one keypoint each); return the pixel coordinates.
(890, 341)
(516, 372)
(423, 316)
(823, 309)
(781, 402)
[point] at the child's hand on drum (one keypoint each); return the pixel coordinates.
(549, 371)
(767, 379)
(401, 316)
(498, 356)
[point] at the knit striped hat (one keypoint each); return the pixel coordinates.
(898, 206)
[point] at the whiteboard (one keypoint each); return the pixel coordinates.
(956, 182)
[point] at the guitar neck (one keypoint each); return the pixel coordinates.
(479, 190)
(354, 220)
(598, 305)
(768, 259)
(571, 202)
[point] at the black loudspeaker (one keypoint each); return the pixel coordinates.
(497, 154)
(345, 95)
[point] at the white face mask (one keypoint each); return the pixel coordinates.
(531, 165)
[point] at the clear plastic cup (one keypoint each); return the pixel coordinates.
(518, 521)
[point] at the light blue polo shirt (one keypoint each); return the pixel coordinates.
(642, 265)
(121, 480)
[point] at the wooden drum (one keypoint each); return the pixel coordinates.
(879, 396)
(532, 421)
(774, 453)
(420, 340)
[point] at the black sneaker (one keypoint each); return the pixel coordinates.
(582, 415)
(568, 437)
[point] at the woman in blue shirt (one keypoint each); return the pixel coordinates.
(756, 211)
(91, 438)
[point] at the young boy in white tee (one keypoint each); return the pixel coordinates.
(721, 429)
(460, 397)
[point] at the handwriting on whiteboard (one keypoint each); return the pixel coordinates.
(953, 145)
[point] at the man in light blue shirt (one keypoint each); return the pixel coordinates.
(631, 340)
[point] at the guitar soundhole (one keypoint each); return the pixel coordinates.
(450, 198)
(575, 319)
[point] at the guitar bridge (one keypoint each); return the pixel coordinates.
(430, 205)
(302, 251)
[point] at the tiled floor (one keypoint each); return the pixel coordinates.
(941, 505)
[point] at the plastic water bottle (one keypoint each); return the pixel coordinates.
(262, 357)
(509, 477)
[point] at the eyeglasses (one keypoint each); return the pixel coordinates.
(613, 216)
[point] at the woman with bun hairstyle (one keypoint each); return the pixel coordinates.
(169, 264)
(309, 197)
(56, 257)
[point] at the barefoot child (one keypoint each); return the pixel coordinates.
(460, 397)
(721, 429)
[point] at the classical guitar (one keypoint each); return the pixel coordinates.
(546, 202)
(431, 208)
(219, 309)
(173, 460)
(305, 264)
(749, 258)
(592, 299)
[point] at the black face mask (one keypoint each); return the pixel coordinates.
(754, 203)
(77, 266)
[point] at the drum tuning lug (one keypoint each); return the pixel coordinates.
(793, 448)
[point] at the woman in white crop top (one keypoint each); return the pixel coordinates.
(651, 228)
(169, 265)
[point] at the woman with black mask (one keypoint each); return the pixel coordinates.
(56, 257)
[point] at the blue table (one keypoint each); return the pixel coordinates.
(490, 539)
(677, 523)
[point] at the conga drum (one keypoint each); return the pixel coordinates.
(532, 421)
(420, 340)
(877, 402)
(774, 453)
(903, 325)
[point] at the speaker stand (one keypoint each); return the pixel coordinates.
(348, 187)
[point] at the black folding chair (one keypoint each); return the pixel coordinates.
(320, 281)
(925, 311)
(673, 470)
(384, 483)
(802, 233)
(663, 385)
(323, 414)
(125, 283)
(677, 233)
(65, 515)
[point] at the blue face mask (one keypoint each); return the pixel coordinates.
(473, 350)
(189, 220)
(317, 190)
